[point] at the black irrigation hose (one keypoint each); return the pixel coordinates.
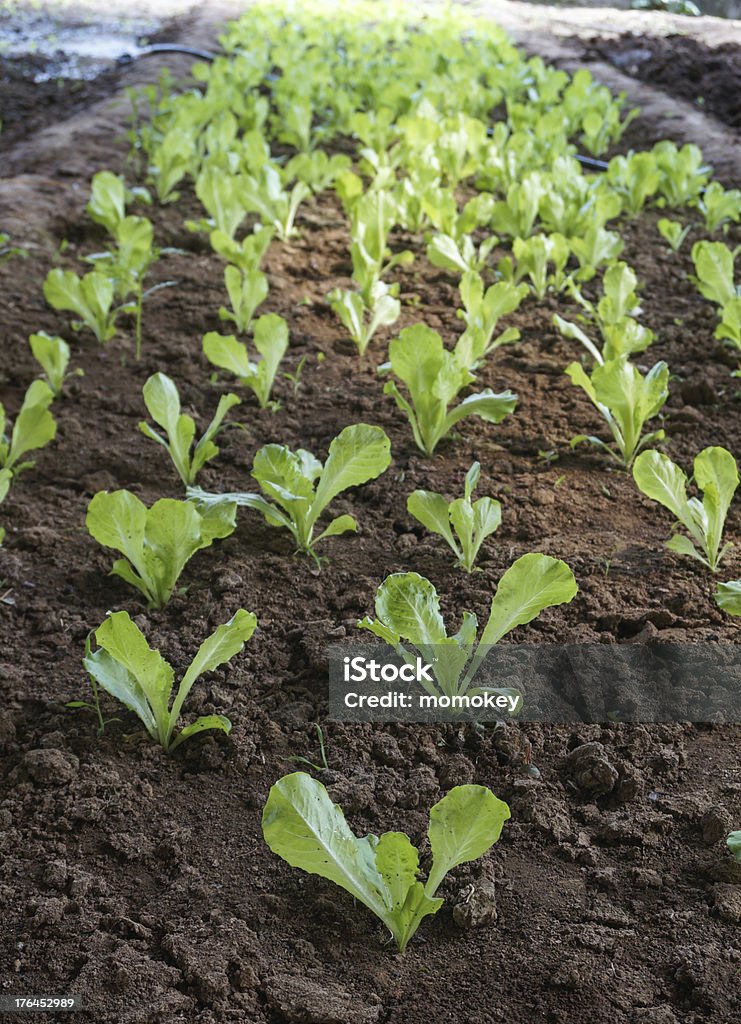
(147, 51)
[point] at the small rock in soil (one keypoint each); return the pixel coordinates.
(477, 906)
(715, 823)
(727, 902)
(457, 771)
(589, 768)
(303, 1001)
(51, 767)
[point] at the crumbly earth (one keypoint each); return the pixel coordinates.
(141, 881)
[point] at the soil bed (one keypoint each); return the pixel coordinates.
(142, 883)
(709, 77)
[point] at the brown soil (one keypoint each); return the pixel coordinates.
(28, 105)
(708, 77)
(142, 883)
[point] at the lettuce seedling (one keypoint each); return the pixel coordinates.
(246, 255)
(716, 475)
(408, 608)
(622, 339)
(729, 328)
(270, 335)
(714, 268)
(532, 257)
(673, 233)
(317, 170)
(140, 678)
(462, 256)
(128, 264)
(157, 542)
(683, 172)
(635, 178)
(170, 160)
(222, 196)
(7, 252)
(52, 354)
(107, 204)
(441, 208)
(481, 312)
(247, 290)
(163, 404)
(303, 827)
(627, 401)
(372, 217)
(733, 842)
(728, 597)
(362, 322)
(462, 523)
(90, 297)
(108, 198)
(434, 377)
(34, 428)
(516, 215)
(264, 194)
(595, 247)
(302, 488)
(621, 333)
(719, 205)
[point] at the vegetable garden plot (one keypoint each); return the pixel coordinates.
(389, 284)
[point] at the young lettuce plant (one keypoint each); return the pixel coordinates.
(246, 255)
(270, 336)
(624, 339)
(714, 269)
(108, 198)
(716, 475)
(728, 597)
(719, 205)
(362, 322)
(156, 542)
(139, 677)
(303, 827)
(170, 159)
(128, 264)
(247, 290)
(596, 246)
(463, 524)
(635, 178)
(434, 377)
(163, 404)
(52, 354)
(715, 279)
(462, 256)
(372, 217)
(532, 257)
(408, 608)
(7, 251)
(733, 842)
(622, 335)
(222, 196)
(627, 401)
(34, 428)
(481, 312)
(264, 194)
(90, 297)
(317, 170)
(300, 488)
(673, 233)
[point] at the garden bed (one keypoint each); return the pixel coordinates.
(142, 883)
